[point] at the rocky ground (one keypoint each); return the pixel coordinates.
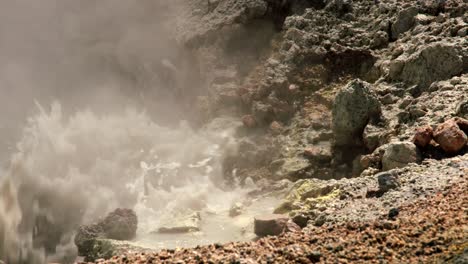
(432, 229)
(362, 104)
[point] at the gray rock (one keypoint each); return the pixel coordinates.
(388, 180)
(339, 7)
(100, 248)
(434, 62)
(120, 224)
(462, 109)
(400, 154)
(404, 21)
(354, 106)
(185, 224)
(236, 209)
(373, 136)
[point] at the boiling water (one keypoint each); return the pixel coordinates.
(71, 170)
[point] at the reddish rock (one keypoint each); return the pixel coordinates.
(423, 136)
(273, 225)
(321, 154)
(462, 124)
(450, 137)
(276, 127)
(249, 121)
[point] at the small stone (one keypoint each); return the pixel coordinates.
(387, 180)
(423, 136)
(301, 220)
(392, 213)
(236, 210)
(314, 256)
(249, 121)
(276, 127)
(450, 137)
(319, 154)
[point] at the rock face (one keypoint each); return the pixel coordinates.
(273, 225)
(436, 61)
(354, 106)
(450, 137)
(400, 154)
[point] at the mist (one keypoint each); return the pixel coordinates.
(94, 95)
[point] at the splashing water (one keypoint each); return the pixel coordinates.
(72, 170)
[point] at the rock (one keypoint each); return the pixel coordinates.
(120, 224)
(379, 40)
(236, 209)
(184, 224)
(393, 213)
(301, 220)
(423, 136)
(388, 180)
(372, 136)
(85, 236)
(262, 113)
(273, 225)
(462, 124)
(433, 62)
(405, 20)
(400, 154)
(462, 109)
(354, 106)
(292, 167)
(339, 7)
(450, 137)
(100, 248)
(321, 154)
(276, 127)
(249, 121)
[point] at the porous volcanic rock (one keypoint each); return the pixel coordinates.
(423, 136)
(354, 106)
(450, 137)
(400, 154)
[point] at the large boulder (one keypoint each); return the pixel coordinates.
(433, 62)
(450, 137)
(354, 106)
(400, 154)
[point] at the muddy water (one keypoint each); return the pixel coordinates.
(216, 227)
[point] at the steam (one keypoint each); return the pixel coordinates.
(69, 171)
(108, 69)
